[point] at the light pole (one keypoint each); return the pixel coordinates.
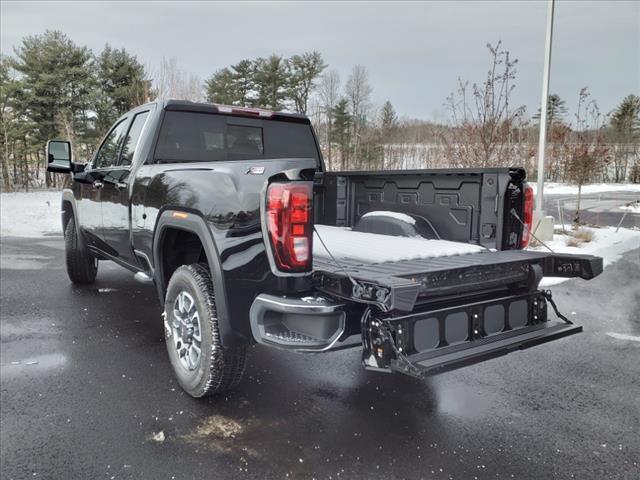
(543, 225)
(542, 140)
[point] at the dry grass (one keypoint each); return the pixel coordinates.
(579, 236)
(573, 242)
(584, 234)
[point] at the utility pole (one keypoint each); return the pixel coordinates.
(542, 225)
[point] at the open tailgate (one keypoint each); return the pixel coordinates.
(432, 315)
(402, 285)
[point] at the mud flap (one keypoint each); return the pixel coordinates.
(443, 339)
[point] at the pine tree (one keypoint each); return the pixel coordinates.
(556, 109)
(233, 85)
(271, 81)
(220, 88)
(625, 119)
(7, 121)
(388, 117)
(303, 71)
(122, 85)
(244, 82)
(625, 126)
(341, 130)
(56, 79)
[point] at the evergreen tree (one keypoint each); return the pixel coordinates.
(625, 120)
(122, 85)
(220, 88)
(233, 85)
(388, 117)
(271, 82)
(303, 71)
(625, 131)
(556, 109)
(341, 130)
(7, 121)
(244, 82)
(56, 82)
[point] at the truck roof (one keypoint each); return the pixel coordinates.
(188, 106)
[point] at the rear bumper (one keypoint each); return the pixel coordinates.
(306, 324)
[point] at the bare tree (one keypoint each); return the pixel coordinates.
(358, 92)
(587, 153)
(172, 82)
(481, 116)
(329, 93)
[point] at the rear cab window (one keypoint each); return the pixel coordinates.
(209, 137)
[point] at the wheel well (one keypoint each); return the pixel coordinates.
(67, 213)
(179, 247)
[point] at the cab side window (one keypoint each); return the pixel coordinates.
(107, 156)
(128, 150)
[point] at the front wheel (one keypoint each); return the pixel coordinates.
(200, 362)
(82, 267)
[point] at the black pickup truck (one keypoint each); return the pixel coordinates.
(247, 238)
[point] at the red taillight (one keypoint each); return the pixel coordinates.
(527, 216)
(290, 224)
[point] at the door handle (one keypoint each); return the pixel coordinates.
(121, 186)
(98, 184)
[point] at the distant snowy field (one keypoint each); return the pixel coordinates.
(38, 214)
(551, 188)
(31, 214)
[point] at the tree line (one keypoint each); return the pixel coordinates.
(51, 87)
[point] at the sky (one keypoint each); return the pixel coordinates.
(414, 51)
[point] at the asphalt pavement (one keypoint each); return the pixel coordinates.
(87, 393)
(595, 208)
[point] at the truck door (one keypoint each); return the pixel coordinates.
(89, 203)
(116, 213)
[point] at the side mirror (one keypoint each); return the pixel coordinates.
(59, 156)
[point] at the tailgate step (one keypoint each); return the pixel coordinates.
(444, 360)
(439, 339)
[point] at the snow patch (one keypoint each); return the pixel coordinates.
(607, 243)
(32, 214)
(344, 243)
(632, 208)
(623, 336)
(397, 215)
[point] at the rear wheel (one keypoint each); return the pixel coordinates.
(200, 362)
(82, 267)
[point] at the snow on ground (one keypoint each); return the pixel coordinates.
(36, 214)
(343, 243)
(32, 214)
(632, 207)
(606, 243)
(552, 188)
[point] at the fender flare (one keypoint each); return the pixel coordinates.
(67, 196)
(195, 224)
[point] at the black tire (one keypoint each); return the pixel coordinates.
(82, 267)
(218, 368)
